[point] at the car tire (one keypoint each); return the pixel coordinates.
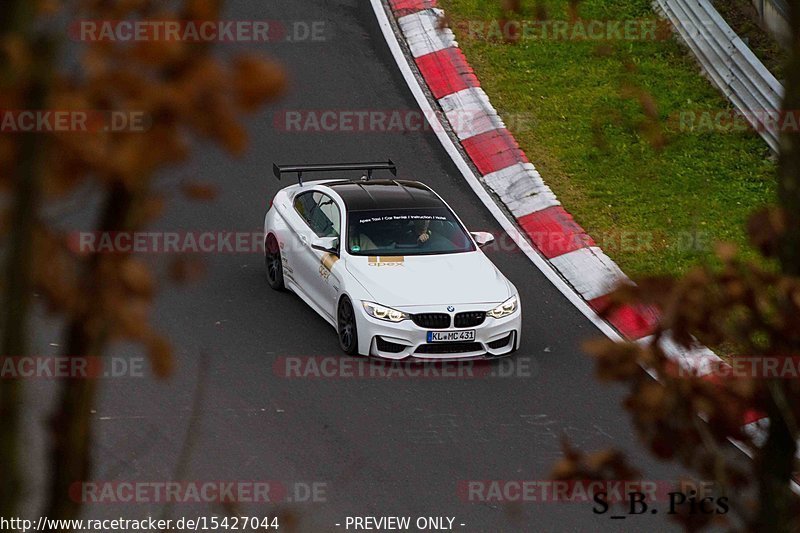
(346, 327)
(273, 263)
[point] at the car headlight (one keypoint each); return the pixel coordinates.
(384, 313)
(504, 309)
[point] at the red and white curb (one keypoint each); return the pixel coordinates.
(560, 244)
(505, 170)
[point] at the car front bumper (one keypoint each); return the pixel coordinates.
(406, 340)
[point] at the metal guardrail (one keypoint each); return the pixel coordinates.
(730, 64)
(781, 6)
(774, 16)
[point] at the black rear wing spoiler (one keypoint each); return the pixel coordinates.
(333, 167)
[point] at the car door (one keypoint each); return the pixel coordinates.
(294, 241)
(320, 275)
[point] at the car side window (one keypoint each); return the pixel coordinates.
(320, 213)
(304, 205)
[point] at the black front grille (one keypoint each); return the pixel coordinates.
(450, 347)
(432, 320)
(469, 319)
(499, 343)
(388, 346)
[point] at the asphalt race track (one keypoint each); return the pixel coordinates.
(381, 446)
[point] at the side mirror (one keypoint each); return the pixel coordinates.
(326, 244)
(482, 238)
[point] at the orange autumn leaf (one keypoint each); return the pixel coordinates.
(255, 80)
(136, 277)
(161, 359)
(203, 192)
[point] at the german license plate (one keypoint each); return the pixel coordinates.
(466, 335)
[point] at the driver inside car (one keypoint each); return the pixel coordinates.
(416, 233)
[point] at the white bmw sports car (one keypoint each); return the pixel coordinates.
(390, 266)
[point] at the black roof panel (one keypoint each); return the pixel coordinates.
(384, 194)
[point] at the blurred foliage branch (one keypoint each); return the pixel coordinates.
(31, 86)
(755, 309)
(187, 94)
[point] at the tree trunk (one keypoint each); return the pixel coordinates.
(776, 459)
(71, 424)
(775, 462)
(17, 17)
(789, 168)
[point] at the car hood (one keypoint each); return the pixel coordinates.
(446, 279)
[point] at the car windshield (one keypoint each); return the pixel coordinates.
(406, 232)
